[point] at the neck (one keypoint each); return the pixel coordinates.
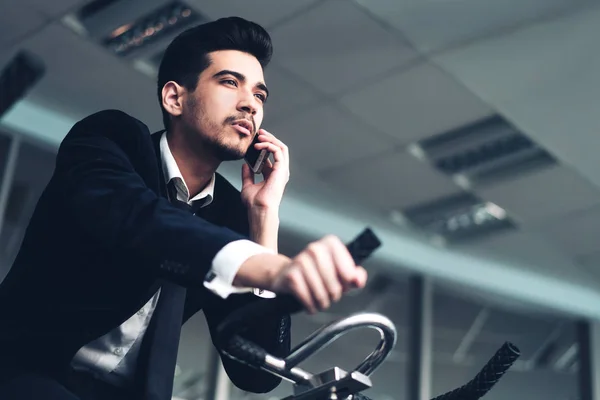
(196, 164)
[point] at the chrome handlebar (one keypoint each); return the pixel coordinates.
(315, 386)
(329, 333)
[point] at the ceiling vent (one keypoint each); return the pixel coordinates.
(135, 30)
(482, 153)
(459, 218)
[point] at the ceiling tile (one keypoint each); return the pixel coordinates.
(287, 94)
(543, 195)
(264, 12)
(335, 45)
(391, 181)
(576, 233)
(327, 136)
(54, 8)
(16, 21)
(82, 78)
(432, 25)
(416, 103)
(545, 80)
(529, 63)
(591, 263)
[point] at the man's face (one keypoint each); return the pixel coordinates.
(226, 108)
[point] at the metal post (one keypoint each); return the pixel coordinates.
(218, 385)
(588, 340)
(419, 338)
(9, 174)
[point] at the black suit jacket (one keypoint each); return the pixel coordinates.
(100, 242)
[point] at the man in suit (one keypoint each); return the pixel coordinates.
(135, 233)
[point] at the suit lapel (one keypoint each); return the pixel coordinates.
(158, 352)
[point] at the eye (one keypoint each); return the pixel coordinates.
(261, 97)
(229, 82)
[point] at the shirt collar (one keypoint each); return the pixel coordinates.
(171, 172)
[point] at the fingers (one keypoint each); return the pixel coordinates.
(277, 147)
(281, 159)
(296, 284)
(272, 148)
(318, 292)
(269, 137)
(347, 271)
(268, 164)
(247, 175)
(326, 270)
(361, 278)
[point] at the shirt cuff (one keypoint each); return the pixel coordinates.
(226, 264)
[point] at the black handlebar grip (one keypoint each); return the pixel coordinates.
(363, 246)
(487, 377)
(246, 351)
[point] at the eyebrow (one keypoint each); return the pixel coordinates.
(242, 78)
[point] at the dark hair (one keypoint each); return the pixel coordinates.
(187, 55)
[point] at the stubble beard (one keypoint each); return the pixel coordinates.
(216, 142)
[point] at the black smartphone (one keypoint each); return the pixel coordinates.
(256, 158)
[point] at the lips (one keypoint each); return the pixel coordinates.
(243, 126)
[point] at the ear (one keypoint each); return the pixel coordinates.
(172, 98)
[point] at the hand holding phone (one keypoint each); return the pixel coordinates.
(256, 158)
(268, 192)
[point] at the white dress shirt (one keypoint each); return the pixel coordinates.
(113, 357)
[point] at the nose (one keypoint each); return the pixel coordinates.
(248, 109)
(247, 104)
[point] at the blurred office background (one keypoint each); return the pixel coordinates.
(464, 132)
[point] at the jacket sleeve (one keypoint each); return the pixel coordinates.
(106, 166)
(272, 334)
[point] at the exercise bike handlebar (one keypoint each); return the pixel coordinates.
(236, 346)
(233, 344)
(253, 355)
(329, 333)
(489, 375)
